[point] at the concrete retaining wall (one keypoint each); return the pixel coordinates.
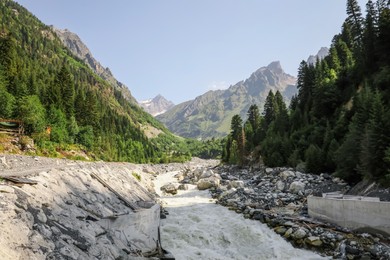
(353, 214)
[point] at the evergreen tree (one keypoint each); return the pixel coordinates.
(355, 20)
(269, 109)
(253, 132)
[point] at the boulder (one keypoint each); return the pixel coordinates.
(169, 188)
(299, 233)
(280, 185)
(180, 176)
(285, 174)
(207, 183)
(296, 187)
(313, 241)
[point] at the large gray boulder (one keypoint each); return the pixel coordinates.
(207, 183)
(169, 188)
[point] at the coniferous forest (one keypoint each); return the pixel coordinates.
(339, 122)
(46, 87)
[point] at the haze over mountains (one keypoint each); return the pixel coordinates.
(209, 115)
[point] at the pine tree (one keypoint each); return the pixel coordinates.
(355, 21)
(254, 121)
(370, 38)
(269, 112)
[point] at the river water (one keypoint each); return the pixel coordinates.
(198, 228)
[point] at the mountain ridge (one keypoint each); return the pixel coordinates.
(209, 115)
(74, 43)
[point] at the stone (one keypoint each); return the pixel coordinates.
(206, 174)
(180, 176)
(169, 188)
(285, 174)
(41, 216)
(207, 183)
(183, 187)
(280, 230)
(288, 233)
(236, 184)
(299, 233)
(259, 216)
(313, 241)
(296, 187)
(280, 185)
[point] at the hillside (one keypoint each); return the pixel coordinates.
(209, 115)
(73, 42)
(65, 105)
(339, 122)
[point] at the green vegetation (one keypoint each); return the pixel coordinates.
(65, 106)
(340, 119)
(136, 175)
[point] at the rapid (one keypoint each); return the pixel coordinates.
(198, 228)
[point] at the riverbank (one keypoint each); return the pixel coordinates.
(278, 198)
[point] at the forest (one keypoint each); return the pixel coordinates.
(339, 122)
(64, 105)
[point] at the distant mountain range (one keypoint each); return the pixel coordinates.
(157, 105)
(73, 42)
(209, 115)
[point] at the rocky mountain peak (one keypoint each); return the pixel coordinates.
(275, 66)
(157, 105)
(73, 42)
(321, 54)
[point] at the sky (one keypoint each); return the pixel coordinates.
(184, 48)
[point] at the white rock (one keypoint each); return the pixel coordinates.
(296, 187)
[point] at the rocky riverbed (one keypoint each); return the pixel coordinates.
(277, 197)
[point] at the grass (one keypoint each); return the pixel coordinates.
(137, 176)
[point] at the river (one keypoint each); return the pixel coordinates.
(198, 228)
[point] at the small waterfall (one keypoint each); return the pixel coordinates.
(197, 228)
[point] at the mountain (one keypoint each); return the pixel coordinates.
(73, 42)
(321, 54)
(61, 95)
(156, 106)
(210, 114)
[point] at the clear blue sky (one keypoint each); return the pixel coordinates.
(183, 48)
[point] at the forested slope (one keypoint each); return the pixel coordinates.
(50, 90)
(340, 119)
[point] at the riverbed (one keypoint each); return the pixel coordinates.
(198, 228)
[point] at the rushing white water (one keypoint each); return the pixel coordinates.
(197, 228)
